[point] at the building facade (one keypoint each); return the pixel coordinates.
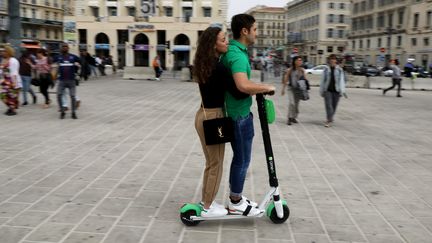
(271, 29)
(4, 21)
(388, 29)
(133, 32)
(317, 28)
(42, 20)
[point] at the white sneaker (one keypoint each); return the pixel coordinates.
(214, 204)
(243, 208)
(252, 203)
(213, 212)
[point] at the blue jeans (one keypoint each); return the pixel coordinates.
(26, 80)
(242, 149)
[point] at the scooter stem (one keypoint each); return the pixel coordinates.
(267, 141)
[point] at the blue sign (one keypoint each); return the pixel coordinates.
(102, 46)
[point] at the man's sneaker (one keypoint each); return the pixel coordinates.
(243, 208)
(252, 203)
(214, 204)
(213, 212)
(62, 115)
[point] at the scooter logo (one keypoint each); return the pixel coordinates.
(220, 133)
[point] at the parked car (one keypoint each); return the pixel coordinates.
(317, 70)
(369, 71)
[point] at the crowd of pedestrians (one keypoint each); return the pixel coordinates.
(38, 68)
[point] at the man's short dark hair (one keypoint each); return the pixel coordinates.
(240, 21)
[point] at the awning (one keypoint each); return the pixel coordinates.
(31, 46)
(181, 48)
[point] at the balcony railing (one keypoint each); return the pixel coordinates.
(41, 21)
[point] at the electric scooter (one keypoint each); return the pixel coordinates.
(272, 205)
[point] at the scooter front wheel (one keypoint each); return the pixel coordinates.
(186, 218)
(275, 219)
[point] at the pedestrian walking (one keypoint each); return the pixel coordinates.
(68, 65)
(25, 72)
(332, 87)
(11, 82)
(291, 84)
(157, 67)
(396, 78)
(85, 65)
(43, 71)
(100, 62)
(244, 30)
(212, 78)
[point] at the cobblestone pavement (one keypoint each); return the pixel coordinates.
(120, 173)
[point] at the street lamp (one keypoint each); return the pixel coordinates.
(14, 25)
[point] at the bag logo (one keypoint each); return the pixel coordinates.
(220, 133)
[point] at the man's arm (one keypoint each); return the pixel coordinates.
(246, 86)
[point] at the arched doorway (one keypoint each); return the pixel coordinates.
(102, 46)
(181, 51)
(141, 50)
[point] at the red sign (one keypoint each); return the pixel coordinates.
(382, 49)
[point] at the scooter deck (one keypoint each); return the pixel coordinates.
(228, 216)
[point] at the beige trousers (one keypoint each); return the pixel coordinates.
(214, 155)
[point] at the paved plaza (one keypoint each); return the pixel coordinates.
(120, 173)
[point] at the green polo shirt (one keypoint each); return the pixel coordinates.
(237, 60)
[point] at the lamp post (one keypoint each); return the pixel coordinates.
(15, 25)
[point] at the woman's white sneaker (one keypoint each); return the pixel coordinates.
(213, 212)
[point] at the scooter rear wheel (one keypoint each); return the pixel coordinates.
(186, 218)
(275, 219)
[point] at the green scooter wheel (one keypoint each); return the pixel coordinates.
(187, 211)
(274, 217)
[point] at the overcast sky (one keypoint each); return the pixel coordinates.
(240, 6)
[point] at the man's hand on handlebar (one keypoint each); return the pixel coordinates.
(270, 90)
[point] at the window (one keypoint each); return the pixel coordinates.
(47, 15)
(426, 41)
(413, 41)
(329, 49)
(401, 17)
(131, 11)
(399, 40)
(33, 33)
(112, 11)
(429, 18)
(33, 11)
(331, 5)
(379, 43)
(207, 12)
(368, 43)
(380, 20)
(330, 18)
(363, 6)
(371, 4)
(168, 11)
(340, 33)
(95, 12)
(416, 20)
(342, 5)
(341, 18)
(47, 34)
(56, 16)
(187, 13)
(353, 45)
(361, 44)
(24, 12)
(330, 33)
(56, 34)
(390, 20)
(389, 41)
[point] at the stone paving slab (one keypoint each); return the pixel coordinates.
(121, 171)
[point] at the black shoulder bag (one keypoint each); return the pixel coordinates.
(218, 130)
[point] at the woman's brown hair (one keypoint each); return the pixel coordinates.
(205, 57)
